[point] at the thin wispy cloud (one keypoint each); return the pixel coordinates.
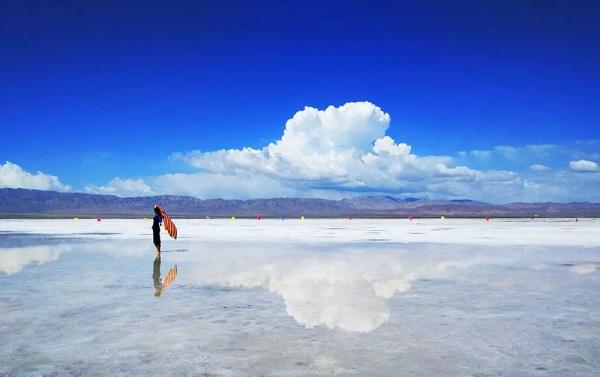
(122, 187)
(538, 168)
(553, 156)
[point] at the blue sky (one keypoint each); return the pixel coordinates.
(92, 91)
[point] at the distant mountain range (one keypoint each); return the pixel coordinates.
(36, 203)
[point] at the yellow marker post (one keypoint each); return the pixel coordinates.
(302, 218)
(442, 217)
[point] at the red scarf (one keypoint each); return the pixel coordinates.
(168, 224)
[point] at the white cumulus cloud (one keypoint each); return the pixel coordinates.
(337, 150)
(13, 176)
(346, 151)
(584, 166)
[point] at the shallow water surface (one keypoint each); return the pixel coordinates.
(93, 304)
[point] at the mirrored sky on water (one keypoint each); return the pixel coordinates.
(82, 305)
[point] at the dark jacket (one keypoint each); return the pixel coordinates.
(156, 223)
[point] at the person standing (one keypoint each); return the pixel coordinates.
(157, 222)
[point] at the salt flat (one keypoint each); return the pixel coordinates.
(584, 232)
(315, 297)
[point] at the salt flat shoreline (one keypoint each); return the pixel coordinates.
(316, 217)
(516, 231)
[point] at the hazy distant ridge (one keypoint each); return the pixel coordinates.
(22, 202)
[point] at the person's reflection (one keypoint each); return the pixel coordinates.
(161, 286)
(156, 277)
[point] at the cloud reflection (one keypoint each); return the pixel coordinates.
(14, 259)
(585, 268)
(344, 289)
(339, 286)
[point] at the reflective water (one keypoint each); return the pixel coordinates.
(84, 305)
